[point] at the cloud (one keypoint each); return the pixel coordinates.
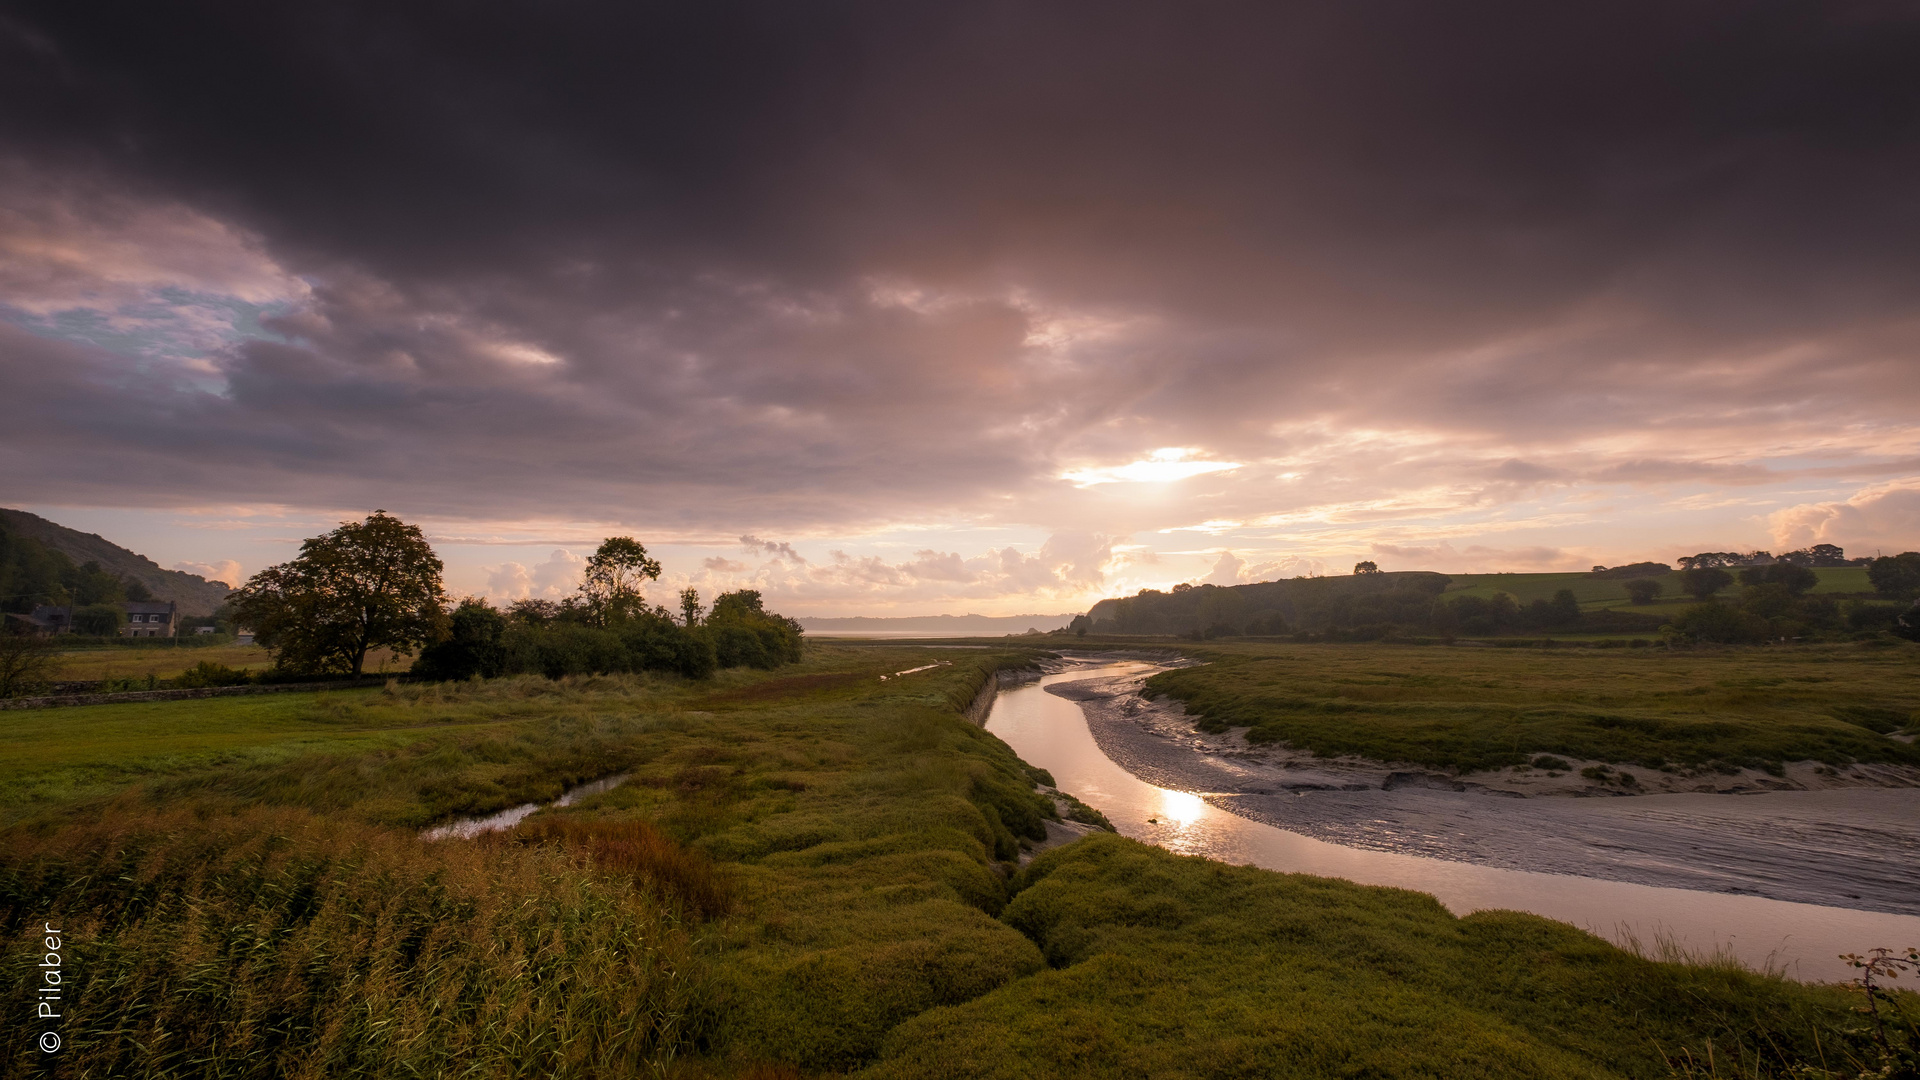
(744, 295)
(226, 571)
(557, 577)
(780, 550)
(1885, 517)
(1226, 572)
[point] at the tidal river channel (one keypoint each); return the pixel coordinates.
(1802, 940)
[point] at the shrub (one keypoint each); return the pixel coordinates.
(100, 620)
(1719, 624)
(208, 673)
(474, 645)
(1644, 590)
(1896, 577)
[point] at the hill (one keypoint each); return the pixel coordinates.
(1368, 607)
(936, 625)
(195, 595)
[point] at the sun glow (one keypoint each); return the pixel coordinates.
(1180, 808)
(1162, 466)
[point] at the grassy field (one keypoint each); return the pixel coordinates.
(112, 662)
(808, 873)
(1481, 708)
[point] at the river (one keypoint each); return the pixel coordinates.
(1801, 940)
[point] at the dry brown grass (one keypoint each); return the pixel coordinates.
(641, 854)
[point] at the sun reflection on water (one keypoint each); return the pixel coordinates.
(1180, 809)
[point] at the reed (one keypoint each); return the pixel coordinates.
(637, 852)
(274, 943)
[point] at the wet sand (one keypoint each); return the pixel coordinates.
(1850, 839)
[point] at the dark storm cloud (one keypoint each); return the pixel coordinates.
(780, 265)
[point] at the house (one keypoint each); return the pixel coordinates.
(150, 618)
(145, 618)
(48, 619)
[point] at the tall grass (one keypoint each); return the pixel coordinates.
(642, 855)
(276, 943)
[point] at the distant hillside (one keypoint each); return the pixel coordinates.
(195, 595)
(936, 625)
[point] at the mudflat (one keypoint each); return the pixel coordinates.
(1838, 837)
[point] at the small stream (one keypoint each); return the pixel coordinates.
(1802, 940)
(468, 828)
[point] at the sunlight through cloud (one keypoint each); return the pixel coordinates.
(1162, 466)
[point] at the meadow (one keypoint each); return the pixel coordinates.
(809, 872)
(119, 662)
(1469, 709)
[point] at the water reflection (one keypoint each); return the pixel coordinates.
(1804, 940)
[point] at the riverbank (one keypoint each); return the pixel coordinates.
(1842, 839)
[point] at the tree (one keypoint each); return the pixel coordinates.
(1644, 590)
(746, 634)
(1795, 577)
(690, 606)
(1367, 566)
(99, 620)
(473, 645)
(1896, 577)
(366, 585)
(1702, 582)
(611, 590)
(27, 664)
(89, 584)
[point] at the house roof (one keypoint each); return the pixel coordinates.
(149, 607)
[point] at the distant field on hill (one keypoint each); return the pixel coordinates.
(1599, 593)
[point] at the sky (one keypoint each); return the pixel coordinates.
(909, 308)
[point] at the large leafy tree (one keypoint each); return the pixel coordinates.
(366, 585)
(611, 590)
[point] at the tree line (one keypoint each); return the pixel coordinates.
(1370, 605)
(376, 584)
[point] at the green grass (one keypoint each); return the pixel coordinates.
(808, 873)
(1163, 965)
(1470, 709)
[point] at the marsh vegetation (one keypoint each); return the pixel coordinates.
(1468, 710)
